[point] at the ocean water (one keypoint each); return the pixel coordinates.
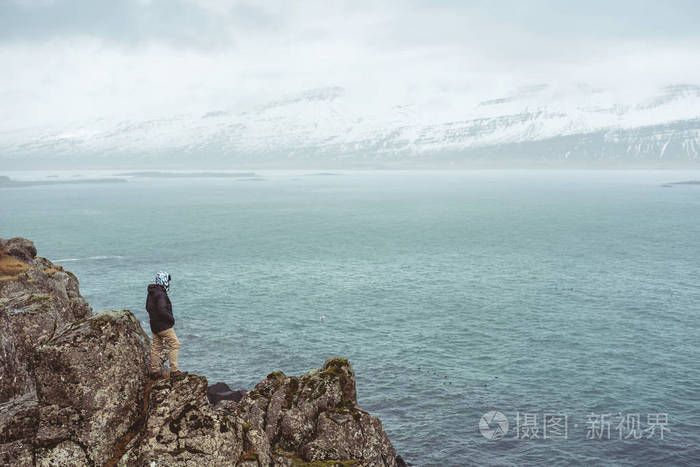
(573, 293)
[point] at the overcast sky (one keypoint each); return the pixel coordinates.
(73, 60)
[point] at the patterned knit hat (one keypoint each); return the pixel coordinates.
(163, 278)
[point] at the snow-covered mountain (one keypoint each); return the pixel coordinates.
(332, 127)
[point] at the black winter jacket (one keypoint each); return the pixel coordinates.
(159, 308)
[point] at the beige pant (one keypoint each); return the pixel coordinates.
(168, 336)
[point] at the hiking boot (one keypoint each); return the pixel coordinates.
(154, 375)
(178, 374)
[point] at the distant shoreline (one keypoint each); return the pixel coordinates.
(156, 174)
(687, 182)
(7, 182)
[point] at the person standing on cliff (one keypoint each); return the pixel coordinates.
(160, 312)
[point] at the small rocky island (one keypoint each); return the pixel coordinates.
(74, 390)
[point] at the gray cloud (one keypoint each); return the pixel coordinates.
(595, 18)
(84, 59)
(410, 23)
(181, 23)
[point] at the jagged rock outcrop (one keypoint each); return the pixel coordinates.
(181, 428)
(314, 417)
(76, 392)
(37, 300)
(90, 380)
(285, 421)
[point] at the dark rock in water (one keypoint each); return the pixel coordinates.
(75, 391)
(221, 391)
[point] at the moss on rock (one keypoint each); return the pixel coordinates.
(11, 267)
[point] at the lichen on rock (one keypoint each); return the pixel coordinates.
(97, 366)
(181, 428)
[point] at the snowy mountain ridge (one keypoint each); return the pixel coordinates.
(334, 127)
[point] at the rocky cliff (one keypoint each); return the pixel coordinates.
(74, 390)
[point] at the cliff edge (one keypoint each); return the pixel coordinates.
(74, 390)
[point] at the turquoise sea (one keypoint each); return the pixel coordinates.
(548, 296)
